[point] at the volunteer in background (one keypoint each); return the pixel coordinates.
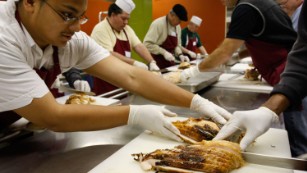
(190, 39)
(115, 35)
(163, 37)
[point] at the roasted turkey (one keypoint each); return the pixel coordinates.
(197, 129)
(80, 98)
(206, 156)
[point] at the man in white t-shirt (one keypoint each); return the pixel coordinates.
(39, 39)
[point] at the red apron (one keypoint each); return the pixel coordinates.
(49, 76)
(192, 42)
(122, 47)
(269, 59)
(169, 45)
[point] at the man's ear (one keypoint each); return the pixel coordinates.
(28, 4)
(31, 2)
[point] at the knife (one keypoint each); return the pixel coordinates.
(281, 162)
(71, 90)
(161, 70)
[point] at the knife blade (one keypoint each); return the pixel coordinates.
(71, 90)
(281, 162)
(161, 70)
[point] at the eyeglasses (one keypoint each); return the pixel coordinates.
(68, 18)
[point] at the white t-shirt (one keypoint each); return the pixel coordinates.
(19, 54)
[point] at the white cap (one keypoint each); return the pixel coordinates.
(126, 5)
(196, 20)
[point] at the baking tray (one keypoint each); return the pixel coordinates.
(200, 81)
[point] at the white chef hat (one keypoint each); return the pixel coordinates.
(196, 20)
(125, 5)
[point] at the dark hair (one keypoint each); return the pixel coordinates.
(113, 8)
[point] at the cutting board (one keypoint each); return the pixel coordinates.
(274, 142)
(98, 100)
(238, 82)
(240, 67)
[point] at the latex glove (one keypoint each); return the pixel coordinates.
(188, 73)
(198, 56)
(140, 64)
(184, 58)
(152, 118)
(168, 56)
(82, 85)
(254, 122)
(209, 109)
(192, 54)
(153, 66)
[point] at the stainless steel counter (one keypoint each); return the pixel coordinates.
(47, 151)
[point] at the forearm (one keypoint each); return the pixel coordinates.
(277, 103)
(66, 118)
(123, 58)
(143, 52)
(157, 89)
(221, 54)
(215, 59)
(141, 82)
(202, 50)
(184, 50)
(154, 48)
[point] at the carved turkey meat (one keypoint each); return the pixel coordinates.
(197, 129)
(206, 156)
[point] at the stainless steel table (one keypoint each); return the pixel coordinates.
(48, 151)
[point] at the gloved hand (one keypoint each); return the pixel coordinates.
(198, 56)
(140, 64)
(192, 54)
(188, 73)
(254, 122)
(82, 85)
(209, 109)
(152, 118)
(153, 66)
(184, 58)
(168, 56)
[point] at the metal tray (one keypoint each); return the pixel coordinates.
(200, 82)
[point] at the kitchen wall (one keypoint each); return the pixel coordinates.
(93, 8)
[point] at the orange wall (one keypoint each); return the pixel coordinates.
(93, 8)
(212, 30)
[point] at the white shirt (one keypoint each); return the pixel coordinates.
(295, 17)
(19, 54)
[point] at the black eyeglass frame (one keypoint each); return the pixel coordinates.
(82, 19)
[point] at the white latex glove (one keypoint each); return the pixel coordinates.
(168, 56)
(152, 118)
(254, 122)
(153, 66)
(198, 56)
(192, 54)
(184, 58)
(209, 109)
(188, 73)
(140, 64)
(82, 85)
